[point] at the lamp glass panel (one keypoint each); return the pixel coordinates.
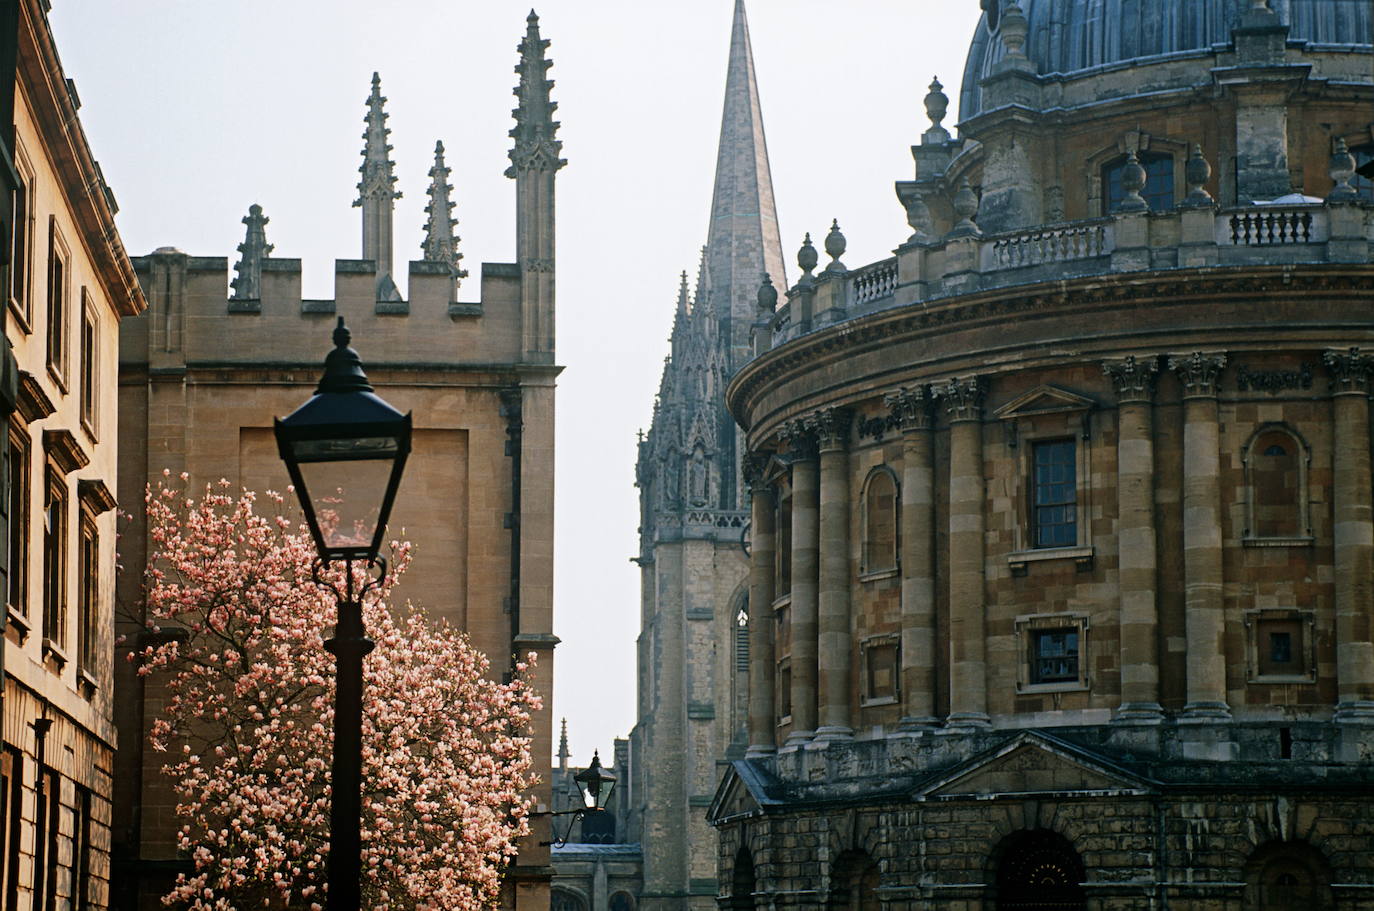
(347, 498)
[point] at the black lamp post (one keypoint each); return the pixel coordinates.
(594, 784)
(345, 450)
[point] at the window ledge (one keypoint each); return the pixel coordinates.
(879, 700)
(1282, 679)
(873, 575)
(1031, 689)
(18, 623)
(51, 650)
(21, 318)
(86, 683)
(1301, 541)
(782, 601)
(57, 377)
(1017, 560)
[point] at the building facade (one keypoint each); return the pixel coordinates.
(1061, 517)
(692, 648)
(204, 372)
(69, 285)
(597, 868)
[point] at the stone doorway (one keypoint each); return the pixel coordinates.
(1039, 870)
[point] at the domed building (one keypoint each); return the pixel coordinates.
(1062, 546)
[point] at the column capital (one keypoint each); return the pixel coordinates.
(797, 439)
(910, 407)
(1349, 371)
(963, 399)
(1199, 373)
(831, 427)
(754, 466)
(1134, 379)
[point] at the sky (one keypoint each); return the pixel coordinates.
(197, 109)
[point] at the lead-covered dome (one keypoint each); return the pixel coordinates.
(1070, 36)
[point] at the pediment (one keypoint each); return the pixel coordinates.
(742, 792)
(1044, 399)
(1033, 764)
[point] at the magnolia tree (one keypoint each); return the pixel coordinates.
(249, 718)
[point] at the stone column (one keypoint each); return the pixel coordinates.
(1202, 568)
(805, 552)
(968, 698)
(762, 542)
(836, 638)
(911, 409)
(1353, 533)
(1136, 543)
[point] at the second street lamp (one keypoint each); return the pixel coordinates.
(345, 450)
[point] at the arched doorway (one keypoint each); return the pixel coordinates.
(1287, 875)
(1039, 869)
(854, 883)
(743, 882)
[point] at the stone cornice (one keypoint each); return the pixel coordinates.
(1173, 288)
(1134, 380)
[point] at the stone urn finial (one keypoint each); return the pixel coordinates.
(966, 207)
(807, 257)
(834, 247)
(1197, 172)
(1341, 169)
(1132, 181)
(768, 297)
(1014, 29)
(937, 105)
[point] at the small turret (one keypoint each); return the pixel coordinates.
(441, 244)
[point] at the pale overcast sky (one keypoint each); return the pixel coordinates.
(198, 109)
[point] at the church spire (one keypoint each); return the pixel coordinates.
(563, 748)
(376, 190)
(441, 244)
(743, 241)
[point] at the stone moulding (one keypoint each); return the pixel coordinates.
(1172, 288)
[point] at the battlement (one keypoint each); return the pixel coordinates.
(192, 316)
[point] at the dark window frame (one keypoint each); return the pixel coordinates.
(59, 303)
(19, 498)
(90, 366)
(19, 282)
(1159, 191)
(88, 601)
(1061, 665)
(55, 520)
(1048, 497)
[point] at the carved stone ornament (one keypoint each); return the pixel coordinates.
(807, 257)
(754, 465)
(917, 211)
(1349, 371)
(254, 249)
(965, 206)
(937, 104)
(1014, 30)
(1199, 373)
(1132, 181)
(1341, 169)
(835, 245)
(910, 407)
(767, 298)
(1273, 381)
(832, 426)
(1134, 379)
(963, 399)
(1197, 172)
(535, 147)
(797, 439)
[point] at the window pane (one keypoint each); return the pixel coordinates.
(1054, 656)
(1159, 182)
(1054, 493)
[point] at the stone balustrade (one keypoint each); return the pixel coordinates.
(1262, 226)
(1051, 244)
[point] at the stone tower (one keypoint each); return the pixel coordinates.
(693, 657)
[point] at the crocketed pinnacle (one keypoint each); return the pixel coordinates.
(535, 146)
(563, 753)
(378, 180)
(441, 244)
(743, 241)
(254, 249)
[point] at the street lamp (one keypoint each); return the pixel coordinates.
(594, 785)
(345, 450)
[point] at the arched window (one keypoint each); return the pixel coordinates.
(879, 521)
(854, 883)
(1276, 485)
(564, 900)
(1039, 869)
(622, 901)
(1363, 185)
(1159, 181)
(1283, 875)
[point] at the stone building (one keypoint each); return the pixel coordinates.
(1061, 517)
(692, 651)
(203, 374)
(68, 285)
(598, 868)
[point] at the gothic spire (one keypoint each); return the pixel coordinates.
(254, 249)
(743, 241)
(376, 190)
(682, 297)
(535, 145)
(563, 748)
(441, 244)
